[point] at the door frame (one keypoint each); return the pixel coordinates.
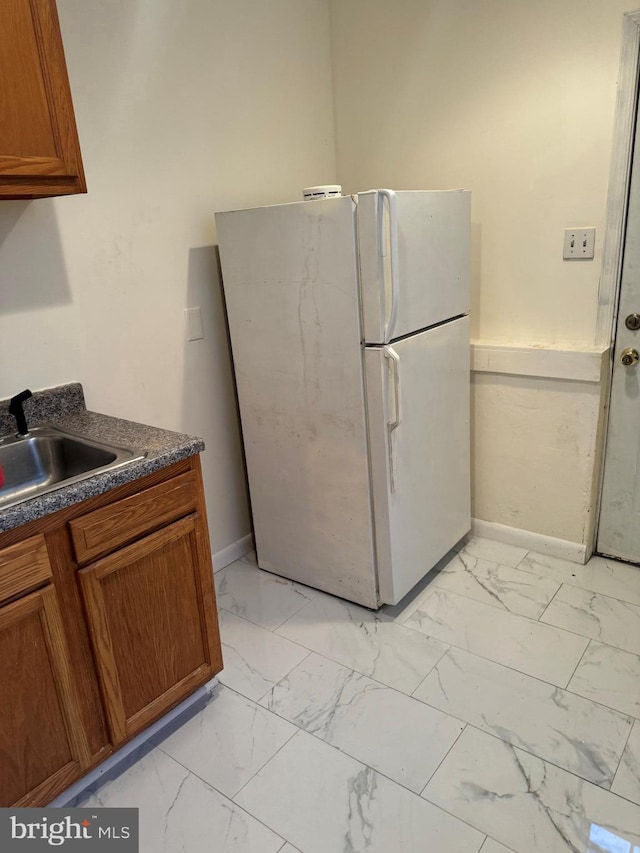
(624, 129)
(619, 179)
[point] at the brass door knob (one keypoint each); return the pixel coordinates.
(629, 356)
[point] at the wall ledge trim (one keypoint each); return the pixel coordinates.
(233, 552)
(545, 361)
(575, 552)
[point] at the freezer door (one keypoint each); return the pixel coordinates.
(414, 260)
(291, 287)
(418, 415)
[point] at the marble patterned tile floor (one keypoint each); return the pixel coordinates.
(496, 709)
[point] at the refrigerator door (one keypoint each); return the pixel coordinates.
(291, 288)
(418, 416)
(414, 260)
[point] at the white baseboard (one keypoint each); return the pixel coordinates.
(232, 552)
(573, 551)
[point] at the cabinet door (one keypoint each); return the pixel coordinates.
(153, 624)
(39, 150)
(42, 744)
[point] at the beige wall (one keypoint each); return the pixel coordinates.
(515, 101)
(510, 99)
(535, 453)
(184, 107)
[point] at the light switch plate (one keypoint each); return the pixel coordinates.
(579, 244)
(193, 322)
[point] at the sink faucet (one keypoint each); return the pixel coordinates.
(16, 409)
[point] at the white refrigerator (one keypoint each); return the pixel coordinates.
(350, 341)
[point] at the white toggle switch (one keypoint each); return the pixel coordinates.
(579, 244)
(193, 319)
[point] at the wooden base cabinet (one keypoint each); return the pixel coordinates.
(107, 608)
(42, 744)
(152, 629)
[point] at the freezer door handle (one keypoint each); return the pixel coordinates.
(394, 366)
(390, 197)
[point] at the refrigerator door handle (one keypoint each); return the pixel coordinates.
(390, 197)
(394, 364)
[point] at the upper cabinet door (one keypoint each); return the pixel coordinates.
(39, 149)
(414, 260)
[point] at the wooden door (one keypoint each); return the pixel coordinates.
(619, 528)
(153, 624)
(42, 744)
(39, 149)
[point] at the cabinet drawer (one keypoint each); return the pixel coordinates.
(23, 567)
(107, 529)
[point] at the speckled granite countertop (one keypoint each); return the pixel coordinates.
(64, 407)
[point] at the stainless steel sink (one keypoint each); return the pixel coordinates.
(49, 458)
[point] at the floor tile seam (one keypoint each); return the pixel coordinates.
(598, 639)
(443, 655)
(297, 613)
(257, 624)
(530, 751)
(206, 781)
(627, 800)
(526, 675)
(604, 595)
(489, 603)
(534, 572)
(272, 574)
(272, 713)
(286, 675)
(575, 669)
(574, 582)
(444, 758)
(517, 615)
(312, 592)
(622, 756)
(553, 598)
(364, 675)
(550, 763)
(226, 796)
(600, 704)
(492, 660)
(500, 565)
(487, 559)
(415, 794)
(317, 737)
(253, 775)
(495, 841)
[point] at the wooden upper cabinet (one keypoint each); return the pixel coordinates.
(39, 148)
